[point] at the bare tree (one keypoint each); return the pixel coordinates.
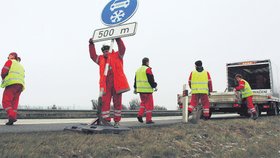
(94, 104)
(157, 107)
(134, 104)
(54, 107)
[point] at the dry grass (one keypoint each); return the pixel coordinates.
(214, 138)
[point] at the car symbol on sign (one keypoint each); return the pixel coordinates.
(119, 4)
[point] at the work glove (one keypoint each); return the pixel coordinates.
(90, 41)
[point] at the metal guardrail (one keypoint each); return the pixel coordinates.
(60, 114)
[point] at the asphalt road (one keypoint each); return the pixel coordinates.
(47, 125)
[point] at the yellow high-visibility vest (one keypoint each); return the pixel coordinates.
(15, 76)
(247, 91)
(142, 83)
(199, 82)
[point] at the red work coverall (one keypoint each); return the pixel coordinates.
(11, 94)
(203, 97)
(110, 89)
(147, 101)
(251, 107)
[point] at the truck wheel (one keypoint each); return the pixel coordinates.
(273, 111)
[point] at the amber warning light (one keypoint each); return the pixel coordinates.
(248, 63)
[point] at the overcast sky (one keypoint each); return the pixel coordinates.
(52, 36)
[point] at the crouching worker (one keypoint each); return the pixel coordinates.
(247, 95)
(145, 85)
(13, 81)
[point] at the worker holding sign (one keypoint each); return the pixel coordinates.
(112, 81)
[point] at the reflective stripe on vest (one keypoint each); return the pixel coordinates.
(15, 75)
(199, 82)
(142, 83)
(247, 91)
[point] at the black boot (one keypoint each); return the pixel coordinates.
(11, 122)
(150, 122)
(140, 119)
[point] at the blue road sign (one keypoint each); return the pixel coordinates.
(118, 11)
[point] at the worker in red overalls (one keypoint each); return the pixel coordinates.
(201, 86)
(13, 81)
(145, 85)
(112, 81)
(247, 95)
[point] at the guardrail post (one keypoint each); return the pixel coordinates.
(185, 103)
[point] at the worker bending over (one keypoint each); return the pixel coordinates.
(247, 95)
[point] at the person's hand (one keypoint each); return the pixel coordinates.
(90, 41)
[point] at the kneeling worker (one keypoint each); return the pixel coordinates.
(145, 85)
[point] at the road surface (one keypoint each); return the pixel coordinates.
(48, 125)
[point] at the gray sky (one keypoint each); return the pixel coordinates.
(52, 36)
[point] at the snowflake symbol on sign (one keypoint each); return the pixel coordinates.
(117, 16)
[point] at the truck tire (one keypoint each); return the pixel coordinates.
(273, 111)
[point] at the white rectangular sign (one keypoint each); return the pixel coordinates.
(114, 32)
